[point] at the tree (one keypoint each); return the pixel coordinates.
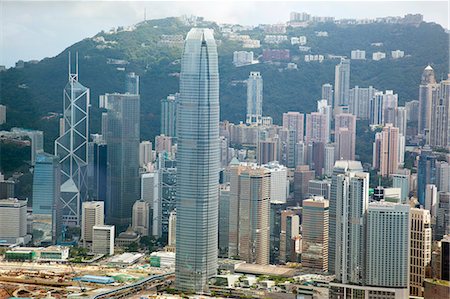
(133, 247)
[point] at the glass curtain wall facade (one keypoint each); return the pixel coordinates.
(198, 162)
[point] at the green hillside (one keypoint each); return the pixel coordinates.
(34, 91)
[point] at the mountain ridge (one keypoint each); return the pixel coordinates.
(31, 93)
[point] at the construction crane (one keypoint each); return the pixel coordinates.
(82, 288)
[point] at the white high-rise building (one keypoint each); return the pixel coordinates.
(93, 213)
(145, 153)
(359, 101)
(327, 93)
(348, 206)
(141, 217)
(329, 159)
(13, 221)
(279, 184)
(254, 99)
(172, 228)
(150, 192)
(431, 199)
(401, 181)
(342, 83)
(388, 245)
(327, 110)
(443, 176)
(427, 87)
(103, 239)
(294, 121)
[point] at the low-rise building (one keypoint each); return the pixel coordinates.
(127, 237)
(378, 56)
(162, 259)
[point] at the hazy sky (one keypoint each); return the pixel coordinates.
(38, 29)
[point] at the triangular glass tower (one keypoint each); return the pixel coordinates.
(72, 148)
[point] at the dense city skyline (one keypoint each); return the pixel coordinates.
(316, 185)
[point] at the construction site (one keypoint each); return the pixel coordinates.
(57, 280)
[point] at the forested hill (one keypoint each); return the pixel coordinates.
(32, 93)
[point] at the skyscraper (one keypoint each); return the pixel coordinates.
(327, 93)
(103, 239)
(359, 101)
(123, 158)
(426, 86)
(224, 219)
(249, 213)
(401, 181)
(385, 151)
(72, 148)
(315, 233)
(169, 115)
(97, 169)
(302, 176)
(46, 196)
(348, 206)
(145, 153)
(289, 235)
(345, 136)
(254, 99)
(141, 218)
(342, 83)
(132, 83)
(316, 124)
(426, 173)
(150, 193)
(420, 252)
(279, 184)
(327, 110)
(390, 104)
(93, 214)
(294, 121)
(13, 221)
(167, 190)
(198, 159)
(440, 105)
(388, 237)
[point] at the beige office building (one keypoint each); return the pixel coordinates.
(315, 233)
(345, 136)
(385, 150)
(93, 213)
(249, 226)
(141, 217)
(420, 255)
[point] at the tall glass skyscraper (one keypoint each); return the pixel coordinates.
(122, 138)
(198, 162)
(254, 99)
(46, 197)
(426, 172)
(72, 148)
(342, 83)
(169, 114)
(132, 83)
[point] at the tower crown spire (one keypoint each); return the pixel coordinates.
(73, 76)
